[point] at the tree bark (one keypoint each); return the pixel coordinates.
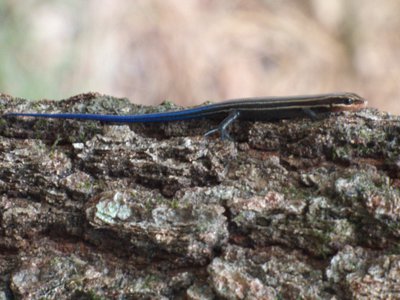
(289, 210)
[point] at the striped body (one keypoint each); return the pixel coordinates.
(251, 109)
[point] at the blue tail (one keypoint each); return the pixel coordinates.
(194, 113)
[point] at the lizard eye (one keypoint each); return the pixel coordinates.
(348, 101)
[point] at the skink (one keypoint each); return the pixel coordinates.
(249, 109)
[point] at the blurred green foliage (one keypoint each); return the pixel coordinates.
(22, 72)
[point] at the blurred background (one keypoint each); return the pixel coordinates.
(191, 51)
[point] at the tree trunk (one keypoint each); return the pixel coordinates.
(288, 210)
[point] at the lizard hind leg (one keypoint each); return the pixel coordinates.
(223, 126)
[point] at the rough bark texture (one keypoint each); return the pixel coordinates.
(295, 209)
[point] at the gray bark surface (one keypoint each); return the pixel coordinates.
(296, 209)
